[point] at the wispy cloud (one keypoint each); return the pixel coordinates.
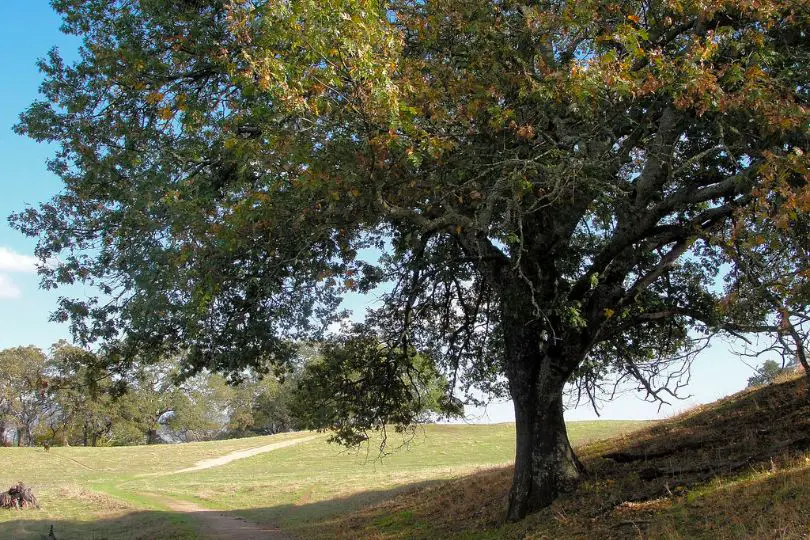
(11, 261)
(8, 289)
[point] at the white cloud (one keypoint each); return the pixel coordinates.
(16, 262)
(8, 289)
(11, 261)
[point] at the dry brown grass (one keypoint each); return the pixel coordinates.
(738, 468)
(99, 501)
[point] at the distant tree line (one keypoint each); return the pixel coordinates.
(70, 396)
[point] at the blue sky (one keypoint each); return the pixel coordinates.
(27, 31)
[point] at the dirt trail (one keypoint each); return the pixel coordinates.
(240, 454)
(215, 524)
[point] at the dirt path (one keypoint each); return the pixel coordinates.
(240, 454)
(215, 524)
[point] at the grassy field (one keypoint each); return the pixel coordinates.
(123, 492)
(84, 490)
(739, 468)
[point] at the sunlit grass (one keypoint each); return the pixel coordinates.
(292, 486)
(117, 492)
(80, 486)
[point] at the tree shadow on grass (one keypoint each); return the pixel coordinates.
(158, 524)
(137, 524)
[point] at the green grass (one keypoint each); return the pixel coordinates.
(739, 468)
(297, 486)
(117, 492)
(85, 489)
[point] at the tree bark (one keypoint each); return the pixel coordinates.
(545, 463)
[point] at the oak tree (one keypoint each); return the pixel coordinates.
(558, 187)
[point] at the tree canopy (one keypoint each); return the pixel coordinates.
(558, 188)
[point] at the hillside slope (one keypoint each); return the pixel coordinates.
(738, 468)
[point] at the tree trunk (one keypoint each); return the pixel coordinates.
(152, 436)
(545, 463)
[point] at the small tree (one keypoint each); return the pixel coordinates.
(766, 373)
(360, 382)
